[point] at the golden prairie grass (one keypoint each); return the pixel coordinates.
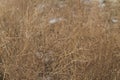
(59, 40)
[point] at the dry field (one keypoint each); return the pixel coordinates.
(59, 40)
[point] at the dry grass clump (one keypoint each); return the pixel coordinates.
(59, 40)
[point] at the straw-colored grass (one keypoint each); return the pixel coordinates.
(59, 40)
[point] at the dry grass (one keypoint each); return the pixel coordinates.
(83, 44)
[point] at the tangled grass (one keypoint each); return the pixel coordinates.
(59, 40)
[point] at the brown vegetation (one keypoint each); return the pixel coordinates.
(59, 40)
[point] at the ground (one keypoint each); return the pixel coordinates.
(59, 40)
